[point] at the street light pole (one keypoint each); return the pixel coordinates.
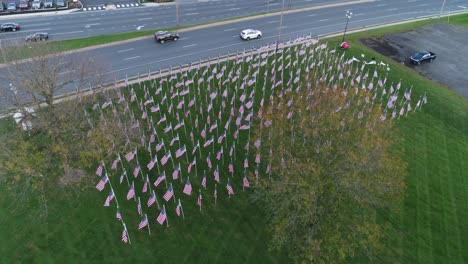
(442, 8)
(349, 14)
(280, 26)
(177, 12)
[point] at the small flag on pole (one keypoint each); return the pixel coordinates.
(109, 198)
(124, 235)
(188, 187)
(152, 199)
(118, 215)
(102, 183)
(229, 188)
(169, 193)
(162, 216)
(131, 192)
(161, 178)
(199, 201)
(143, 223)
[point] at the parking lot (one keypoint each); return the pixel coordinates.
(27, 6)
(450, 43)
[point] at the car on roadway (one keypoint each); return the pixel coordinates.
(248, 34)
(163, 36)
(9, 27)
(422, 56)
(48, 3)
(24, 5)
(11, 7)
(36, 4)
(39, 36)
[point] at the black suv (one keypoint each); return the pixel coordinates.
(163, 36)
(9, 27)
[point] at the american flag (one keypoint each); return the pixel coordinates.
(165, 158)
(159, 145)
(114, 164)
(178, 209)
(229, 188)
(130, 156)
(161, 217)
(175, 174)
(99, 170)
(216, 174)
(160, 179)
(180, 152)
(246, 182)
(187, 188)
(131, 192)
(143, 223)
(150, 165)
(189, 168)
(109, 198)
(199, 202)
(169, 193)
(118, 215)
(124, 235)
(136, 170)
(208, 160)
(208, 142)
(122, 176)
(152, 199)
(203, 183)
(102, 183)
(140, 212)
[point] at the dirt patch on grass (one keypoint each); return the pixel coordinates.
(450, 43)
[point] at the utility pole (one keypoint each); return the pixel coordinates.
(177, 12)
(349, 14)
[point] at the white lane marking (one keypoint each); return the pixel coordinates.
(282, 27)
(93, 19)
(125, 50)
(322, 20)
(311, 15)
(188, 46)
(93, 24)
(229, 29)
(392, 9)
(71, 32)
(360, 14)
(271, 22)
(131, 58)
(464, 7)
(381, 5)
(42, 24)
(234, 8)
(191, 14)
(411, 1)
(184, 38)
(146, 18)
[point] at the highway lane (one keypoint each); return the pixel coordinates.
(84, 24)
(139, 57)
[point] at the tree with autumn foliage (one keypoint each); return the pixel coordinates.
(332, 170)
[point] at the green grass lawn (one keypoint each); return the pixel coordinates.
(429, 229)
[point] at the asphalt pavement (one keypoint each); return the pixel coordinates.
(144, 55)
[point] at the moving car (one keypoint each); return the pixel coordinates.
(37, 37)
(48, 3)
(9, 27)
(11, 7)
(249, 34)
(36, 4)
(163, 36)
(422, 56)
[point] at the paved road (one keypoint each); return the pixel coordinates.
(84, 24)
(139, 57)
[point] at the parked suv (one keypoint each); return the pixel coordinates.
(24, 5)
(60, 3)
(36, 4)
(48, 3)
(163, 36)
(11, 7)
(2, 7)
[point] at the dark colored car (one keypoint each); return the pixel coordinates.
(2, 6)
(9, 27)
(163, 36)
(37, 37)
(24, 5)
(422, 56)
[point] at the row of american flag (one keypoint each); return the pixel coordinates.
(228, 98)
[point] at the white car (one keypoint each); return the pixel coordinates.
(249, 34)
